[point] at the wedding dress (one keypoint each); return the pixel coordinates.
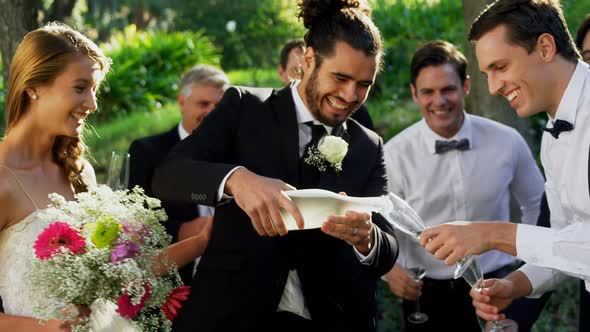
(16, 253)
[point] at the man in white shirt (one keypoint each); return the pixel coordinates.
(453, 165)
(201, 89)
(529, 57)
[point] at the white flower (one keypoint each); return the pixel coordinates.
(230, 26)
(330, 153)
(334, 149)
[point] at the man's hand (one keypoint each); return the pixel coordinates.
(261, 198)
(402, 284)
(354, 228)
(497, 294)
(195, 227)
(452, 241)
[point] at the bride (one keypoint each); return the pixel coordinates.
(54, 77)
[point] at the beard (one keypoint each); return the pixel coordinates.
(314, 99)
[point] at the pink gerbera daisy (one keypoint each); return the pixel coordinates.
(56, 236)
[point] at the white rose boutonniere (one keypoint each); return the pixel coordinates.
(330, 153)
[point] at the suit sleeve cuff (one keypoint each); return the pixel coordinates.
(221, 196)
(368, 260)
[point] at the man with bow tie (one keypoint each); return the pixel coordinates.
(453, 165)
(525, 49)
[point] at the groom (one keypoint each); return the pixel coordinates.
(250, 149)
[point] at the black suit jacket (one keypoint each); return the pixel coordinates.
(242, 276)
(145, 154)
(363, 117)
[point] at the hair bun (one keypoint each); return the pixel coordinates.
(312, 10)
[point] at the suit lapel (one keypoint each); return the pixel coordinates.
(283, 108)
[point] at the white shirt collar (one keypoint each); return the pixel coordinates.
(430, 137)
(181, 132)
(303, 114)
(572, 95)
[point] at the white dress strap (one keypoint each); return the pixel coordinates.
(20, 185)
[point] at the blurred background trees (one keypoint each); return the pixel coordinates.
(152, 42)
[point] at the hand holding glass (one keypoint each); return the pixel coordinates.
(417, 317)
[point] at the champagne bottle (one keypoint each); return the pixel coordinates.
(317, 205)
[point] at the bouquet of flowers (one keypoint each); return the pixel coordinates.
(99, 251)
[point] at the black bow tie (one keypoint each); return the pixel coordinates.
(445, 146)
(558, 127)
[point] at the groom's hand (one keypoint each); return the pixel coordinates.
(261, 198)
(354, 228)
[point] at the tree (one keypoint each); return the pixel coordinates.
(480, 101)
(16, 19)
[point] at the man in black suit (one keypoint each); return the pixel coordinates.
(247, 152)
(201, 88)
(290, 69)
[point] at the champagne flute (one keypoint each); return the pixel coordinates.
(417, 317)
(118, 172)
(403, 217)
(474, 277)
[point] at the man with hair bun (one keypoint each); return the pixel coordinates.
(253, 147)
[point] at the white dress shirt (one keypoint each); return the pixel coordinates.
(474, 184)
(292, 299)
(564, 249)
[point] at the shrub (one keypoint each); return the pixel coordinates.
(147, 67)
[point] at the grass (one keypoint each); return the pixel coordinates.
(117, 135)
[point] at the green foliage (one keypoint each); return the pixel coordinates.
(574, 12)
(405, 25)
(147, 67)
(261, 28)
(267, 78)
(2, 101)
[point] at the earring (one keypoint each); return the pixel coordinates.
(34, 97)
